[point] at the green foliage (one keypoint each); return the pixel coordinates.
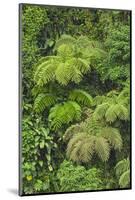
(76, 92)
(81, 97)
(90, 138)
(113, 107)
(37, 149)
(71, 62)
(43, 101)
(64, 113)
(77, 178)
(123, 172)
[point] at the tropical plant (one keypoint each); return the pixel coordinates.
(73, 60)
(123, 172)
(113, 106)
(91, 138)
(77, 178)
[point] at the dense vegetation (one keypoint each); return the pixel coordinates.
(76, 99)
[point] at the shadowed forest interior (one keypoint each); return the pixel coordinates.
(75, 132)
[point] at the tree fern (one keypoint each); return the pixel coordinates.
(81, 97)
(44, 100)
(89, 138)
(71, 62)
(102, 148)
(65, 39)
(113, 136)
(73, 129)
(123, 172)
(64, 114)
(112, 108)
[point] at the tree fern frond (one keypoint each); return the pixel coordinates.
(44, 100)
(99, 100)
(100, 111)
(124, 180)
(121, 111)
(81, 97)
(80, 148)
(73, 129)
(45, 73)
(110, 114)
(83, 65)
(113, 136)
(65, 39)
(102, 148)
(122, 166)
(64, 114)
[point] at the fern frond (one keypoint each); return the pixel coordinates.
(110, 114)
(64, 114)
(124, 180)
(65, 39)
(100, 111)
(99, 100)
(113, 136)
(45, 73)
(81, 97)
(83, 65)
(122, 166)
(73, 129)
(66, 73)
(116, 111)
(80, 148)
(44, 100)
(102, 148)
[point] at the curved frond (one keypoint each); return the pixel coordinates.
(71, 131)
(110, 114)
(64, 114)
(100, 111)
(44, 100)
(102, 148)
(45, 72)
(80, 148)
(113, 136)
(65, 39)
(124, 180)
(122, 166)
(81, 97)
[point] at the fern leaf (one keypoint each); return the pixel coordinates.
(113, 136)
(124, 180)
(102, 148)
(65, 39)
(81, 97)
(64, 114)
(44, 100)
(100, 111)
(110, 114)
(122, 166)
(73, 129)
(80, 148)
